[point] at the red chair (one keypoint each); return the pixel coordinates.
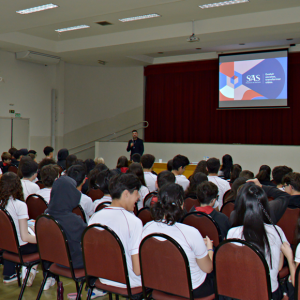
(190, 202)
(241, 271)
(144, 215)
(228, 208)
(95, 194)
(297, 283)
(78, 210)
(54, 248)
(102, 205)
(36, 206)
(40, 184)
(10, 244)
(165, 269)
(205, 225)
(147, 197)
(226, 196)
(104, 257)
(13, 169)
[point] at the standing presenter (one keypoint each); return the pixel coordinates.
(135, 145)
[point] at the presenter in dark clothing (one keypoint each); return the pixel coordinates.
(135, 145)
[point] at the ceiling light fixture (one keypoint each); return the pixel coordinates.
(218, 4)
(36, 9)
(140, 17)
(72, 28)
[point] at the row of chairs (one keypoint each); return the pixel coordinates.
(164, 265)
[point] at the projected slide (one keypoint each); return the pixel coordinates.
(258, 81)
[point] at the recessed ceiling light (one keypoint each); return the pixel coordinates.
(290, 39)
(36, 9)
(198, 48)
(218, 4)
(160, 53)
(72, 28)
(242, 44)
(139, 18)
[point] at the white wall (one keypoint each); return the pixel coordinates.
(250, 157)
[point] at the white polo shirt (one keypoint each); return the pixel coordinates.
(18, 211)
(45, 193)
(88, 206)
(144, 191)
(189, 239)
(150, 180)
(106, 198)
(222, 185)
(183, 181)
(275, 245)
(29, 188)
(129, 229)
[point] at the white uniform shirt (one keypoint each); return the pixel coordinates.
(297, 254)
(18, 210)
(183, 181)
(88, 206)
(129, 229)
(189, 239)
(45, 193)
(275, 244)
(222, 185)
(150, 180)
(103, 199)
(29, 188)
(144, 191)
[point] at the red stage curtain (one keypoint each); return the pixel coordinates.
(181, 107)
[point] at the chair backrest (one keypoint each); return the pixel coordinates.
(288, 223)
(226, 196)
(104, 255)
(102, 205)
(297, 284)
(13, 169)
(148, 196)
(78, 210)
(36, 206)
(95, 194)
(144, 215)
(52, 242)
(164, 266)
(228, 208)
(241, 271)
(205, 225)
(40, 184)
(8, 237)
(190, 202)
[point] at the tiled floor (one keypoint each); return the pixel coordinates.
(11, 291)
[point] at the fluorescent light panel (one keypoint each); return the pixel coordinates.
(140, 18)
(36, 9)
(224, 3)
(72, 28)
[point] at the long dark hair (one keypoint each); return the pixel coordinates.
(235, 172)
(122, 162)
(226, 165)
(252, 211)
(136, 168)
(235, 187)
(195, 180)
(201, 167)
(264, 173)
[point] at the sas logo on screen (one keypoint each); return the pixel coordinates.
(253, 78)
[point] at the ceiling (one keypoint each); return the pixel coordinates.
(257, 24)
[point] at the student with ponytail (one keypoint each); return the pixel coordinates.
(252, 223)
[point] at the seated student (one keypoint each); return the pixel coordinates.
(235, 171)
(136, 168)
(201, 167)
(34, 153)
(247, 174)
(5, 163)
(48, 151)
(170, 165)
(70, 161)
(99, 160)
(22, 160)
(166, 213)
(29, 172)
(89, 165)
(179, 164)
(278, 173)
(45, 162)
(61, 158)
(264, 175)
(213, 166)
(93, 175)
(119, 217)
(12, 151)
(207, 194)
(102, 182)
(17, 157)
(49, 174)
(136, 157)
(12, 200)
(195, 180)
(225, 169)
(235, 187)
(252, 223)
(77, 172)
(147, 161)
(122, 165)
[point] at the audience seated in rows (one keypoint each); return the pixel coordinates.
(235, 172)
(264, 175)
(201, 167)
(29, 171)
(247, 174)
(195, 180)
(61, 158)
(147, 162)
(122, 165)
(179, 164)
(278, 173)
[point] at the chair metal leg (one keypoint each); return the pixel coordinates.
(110, 296)
(117, 297)
(89, 295)
(24, 282)
(79, 291)
(77, 286)
(42, 286)
(18, 267)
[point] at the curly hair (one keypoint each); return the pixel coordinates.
(10, 185)
(168, 208)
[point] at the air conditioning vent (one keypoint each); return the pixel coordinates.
(38, 58)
